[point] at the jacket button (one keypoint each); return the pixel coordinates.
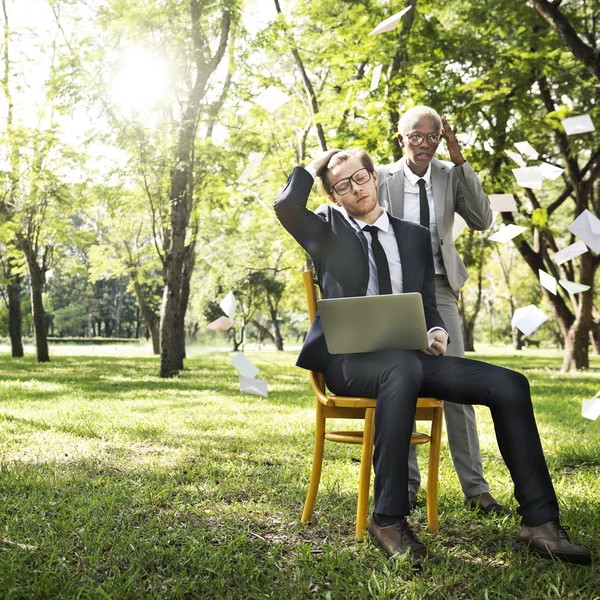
(441, 242)
(363, 290)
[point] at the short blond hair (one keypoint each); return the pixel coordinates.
(412, 115)
(342, 157)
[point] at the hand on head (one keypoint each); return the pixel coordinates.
(452, 143)
(320, 163)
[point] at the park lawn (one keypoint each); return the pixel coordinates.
(117, 484)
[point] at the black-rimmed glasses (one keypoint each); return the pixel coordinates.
(343, 186)
(416, 139)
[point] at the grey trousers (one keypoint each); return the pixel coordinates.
(461, 426)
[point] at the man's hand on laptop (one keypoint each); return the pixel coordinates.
(438, 346)
(322, 160)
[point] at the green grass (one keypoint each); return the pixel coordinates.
(117, 484)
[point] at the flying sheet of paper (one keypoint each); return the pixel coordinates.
(458, 226)
(222, 323)
(570, 252)
(503, 202)
(255, 160)
(587, 228)
(529, 177)
(526, 149)
(228, 305)
(550, 171)
(390, 23)
(547, 281)
(578, 124)
(507, 233)
(244, 365)
(527, 319)
(254, 386)
(375, 77)
(271, 99)
(517, 158)
(590, 409)
(574, 288)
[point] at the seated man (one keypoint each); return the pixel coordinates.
(349, 245)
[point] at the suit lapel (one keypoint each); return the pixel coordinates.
(439, 182)
(395, 190)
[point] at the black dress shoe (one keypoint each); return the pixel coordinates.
(489, 508)
(397, 539)
(551, 539)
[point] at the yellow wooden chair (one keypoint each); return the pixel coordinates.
(330, 406)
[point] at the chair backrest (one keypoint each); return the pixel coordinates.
(311, 289)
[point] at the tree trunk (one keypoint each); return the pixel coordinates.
(118, 308)
(151, 319)
(263, 332)
(172, 340)
(517, 336)
(37, 309)
(15, 318)
(577, 339)
(468, 331)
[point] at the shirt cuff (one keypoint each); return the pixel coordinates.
(312, 171)
(441, 329)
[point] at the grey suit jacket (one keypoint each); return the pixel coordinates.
(455, 189)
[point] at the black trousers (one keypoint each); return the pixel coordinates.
(398, 378)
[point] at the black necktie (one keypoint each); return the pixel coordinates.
(423, 204)
(383, 268)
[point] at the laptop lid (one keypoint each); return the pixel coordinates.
(372, 323)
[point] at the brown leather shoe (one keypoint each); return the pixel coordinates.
(485, 503)
(397, 539)
(550, 539)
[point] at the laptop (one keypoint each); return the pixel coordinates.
(372, 323)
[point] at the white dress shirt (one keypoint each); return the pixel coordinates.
(412, 211)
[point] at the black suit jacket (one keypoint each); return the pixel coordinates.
(340, 256)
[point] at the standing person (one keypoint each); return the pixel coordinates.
(359, 250)
(422, 189)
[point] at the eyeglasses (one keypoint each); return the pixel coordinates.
(345, 185)
(416, 139)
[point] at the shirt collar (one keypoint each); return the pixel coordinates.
(414, 178)
(383, 222)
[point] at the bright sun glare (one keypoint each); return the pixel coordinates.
(142, 83)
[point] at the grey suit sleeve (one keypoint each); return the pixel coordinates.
(471, 202)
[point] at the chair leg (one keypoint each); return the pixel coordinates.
(434, 467)
(315, 475)
(364, 484)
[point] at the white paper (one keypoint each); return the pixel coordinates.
(547, 281)
(255, 160)
(574, 288)
(390, 23)
(503, 202)
(590, 409)
(507, 233)
(526, 149)
(271, 99)
(550, 171)
(528, 318)
(529, 177)
(222, 323)
(375, 77)
(244, 365)
(254, 386)
(587, 228)
(570, 252)
(228, 305)
(578, 124)
(458, 226)
(517, 158)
